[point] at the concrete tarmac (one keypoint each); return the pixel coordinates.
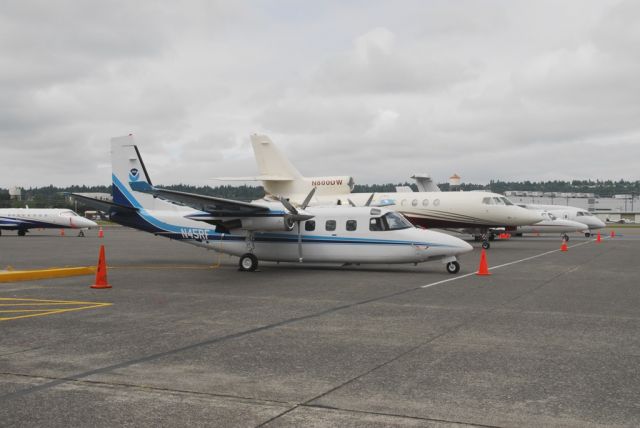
(185, 339)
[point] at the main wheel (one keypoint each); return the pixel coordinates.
(486, 245)
(453, 267)
(22, 232)
(587, 234)
(565, 237)
(248, 263)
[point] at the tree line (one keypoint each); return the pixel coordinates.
(55, 197)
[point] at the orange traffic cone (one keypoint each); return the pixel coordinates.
(100, 233)
(483, 269)
(564, 246)
(101, 272)
(61, 232)
(598, 238)
(613, 234)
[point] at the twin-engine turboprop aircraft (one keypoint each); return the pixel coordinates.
(23, 219)
(268, 230)
(473, 212)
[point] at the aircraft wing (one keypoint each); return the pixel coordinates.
(217, 207)
(100, 205)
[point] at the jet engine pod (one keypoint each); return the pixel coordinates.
(268, 223)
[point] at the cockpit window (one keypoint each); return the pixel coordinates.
(585, 213)
(396, 221)
(552, 217)
(68, 214)
(506, 201)
(497, 201)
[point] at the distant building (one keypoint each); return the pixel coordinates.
(15, 193)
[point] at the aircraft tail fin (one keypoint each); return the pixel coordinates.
(128, 167)
(271, 161)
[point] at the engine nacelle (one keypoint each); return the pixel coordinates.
(267, 223)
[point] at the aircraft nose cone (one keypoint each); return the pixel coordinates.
(89, 223)
(458, 244)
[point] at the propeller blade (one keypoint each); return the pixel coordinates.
(299, 243)
(369, 200)
(306, 201)
(300, 217)
(288, 205)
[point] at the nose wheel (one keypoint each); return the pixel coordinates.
(486, 245)
(453, 267)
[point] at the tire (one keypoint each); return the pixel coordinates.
(587, 234)
(22, 232)
(565, 237)
(453, 267)
(486, 245)
(248, 263)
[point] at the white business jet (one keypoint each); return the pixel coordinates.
(23, 219)
(571, 213)
(550, 224)
(268, 230)
(473, 212)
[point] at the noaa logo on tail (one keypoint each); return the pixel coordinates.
(134, 174)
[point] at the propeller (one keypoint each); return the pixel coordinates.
(295, 215)
(368, 203)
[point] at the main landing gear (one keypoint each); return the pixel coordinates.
(22, 232)
(565, 237)
(587, 234)
(453, 267)
(248, 262)
(485, 238)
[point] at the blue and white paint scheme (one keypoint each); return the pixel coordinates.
(270, 230)
(23, 219)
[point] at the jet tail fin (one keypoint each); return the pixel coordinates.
(271, 161)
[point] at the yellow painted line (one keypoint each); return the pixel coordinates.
(29, 275)
(194, 267)
(30, 313)
(77, 302)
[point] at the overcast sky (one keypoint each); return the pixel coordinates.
(510, 90)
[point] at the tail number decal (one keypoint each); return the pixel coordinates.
(197, 234)
(326, 182)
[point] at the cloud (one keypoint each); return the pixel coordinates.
(504, 89)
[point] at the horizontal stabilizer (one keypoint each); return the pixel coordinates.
(101, 205)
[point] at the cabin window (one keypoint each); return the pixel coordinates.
(425, 203)
(487, 201)
(310, 225)
(352, 225)
(436, 202)
(414, 203)
(330, 225)
(375, 224)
